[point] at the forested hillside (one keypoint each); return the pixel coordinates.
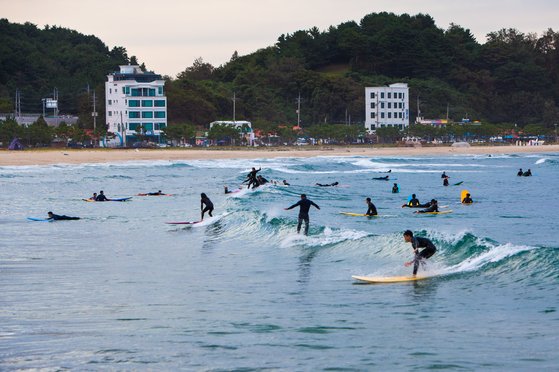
(511, 77)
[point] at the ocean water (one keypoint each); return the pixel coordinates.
(121, 290)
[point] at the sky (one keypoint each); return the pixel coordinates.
(168, 35)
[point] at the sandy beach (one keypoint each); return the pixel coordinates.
(73, 156)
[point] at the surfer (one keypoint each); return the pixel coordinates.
(395, 189)
(262, 180)
(520, 173)
(417, 243)
(528, 173)
(444, 175)
(155, 193)
(56, 217)
(251, 178)
(209, 206)
(413, 203)
(386, 178)
(327, 185)
(304, 205)
(445, 181)
(285, 183)
(372, 210)
(101, 196)
(94, 197)
(433, 207)
(467, 200)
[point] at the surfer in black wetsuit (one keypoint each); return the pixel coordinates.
(327, 185)
(433, 207)
(57, 217)
(520, 173)
(413, 203)
(386, 178)
(262, 180)
(395, 189)
(467, 199)
(209, 206)
(155, 193)
(285, 183)
(445, 181)
(251, 178)
(304, 205)
(372, 210)
(528, 173)
(417, 243)
(444, 175)
(101, 196)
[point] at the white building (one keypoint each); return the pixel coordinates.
(387, 106)
(135, 99)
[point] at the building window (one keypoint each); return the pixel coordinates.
(373, 115)
(160, 114)
(134, 115)
(382, 115)
(162, 126)
(110, 113)
(147, 103)
(372, 95)
(373, 126)
(401, 95)
(148, 127)
(373, 105)
(159, 103)
(400, 115)
(134, 103)
(381, 94)
(159, 90)
(147, 115)
(400, 105)
(390, 115)
(110, 102)
(133, 126)
(389, 95)
(389, 103)
(382, 105)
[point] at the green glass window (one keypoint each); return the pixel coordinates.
(147, 103)
(134, 114)
(148, 126)
(161, 126)
(151, 92)
(160, 114)
(134, 103)
(133, 126)
(147, 114)
(136, 92)
(160, 90)
(159, 103)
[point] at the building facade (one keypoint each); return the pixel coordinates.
(387, 106)
(136, 105)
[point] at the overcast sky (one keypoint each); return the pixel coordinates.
(168, 35)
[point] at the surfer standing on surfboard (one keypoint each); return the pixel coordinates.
(304, 205)
(417, 243)
(204, 200)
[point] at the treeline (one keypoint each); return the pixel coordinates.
(511, 78)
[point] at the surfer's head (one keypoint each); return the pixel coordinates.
(303, 196)
(368, 199)
(408, 236)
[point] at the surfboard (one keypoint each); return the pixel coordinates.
(388, 279)
(183, 223)
(39, 219)
(440, 212)
(357, 214)
(458, 183)
(205, 222)
(155, 195)
(113, 200)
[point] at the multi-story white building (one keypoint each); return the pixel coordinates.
(387, 106)
(135, 101)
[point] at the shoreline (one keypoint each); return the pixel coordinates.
(83, 156)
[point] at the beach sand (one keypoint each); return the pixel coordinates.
(79, 156)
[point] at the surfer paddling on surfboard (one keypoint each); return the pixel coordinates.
(416, 243)
(304, 205)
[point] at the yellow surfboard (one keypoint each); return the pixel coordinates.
(463, 194)
(357, 214)
(388, 279)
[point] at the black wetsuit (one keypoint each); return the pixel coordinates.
(372, 211)
(432, 208)
(527, 173)
(327, 185)
(395, 189)
(429, 250)
(467, 200)
(304, 206)
(209, 206)
(445, 182)
(57, 217)
(413, 203)
(382, 178)
(155, 193)
(520, 173)
(252, 180)
(262, 181)
(101, 197)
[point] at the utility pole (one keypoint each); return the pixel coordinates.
(234, 105)
(94, 113)
(299, 110)
(447, 109)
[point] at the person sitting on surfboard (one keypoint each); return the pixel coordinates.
(467, 200)
(327, 185)
(444, 175)
(205, 201)
(520, 173)
(94, 197)
(528, 173)
(101, 196)
(417, 243)
(395, 189)
(413, 203)
(304, 205)
(57, 217)
(434, 207)
(372, 210)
